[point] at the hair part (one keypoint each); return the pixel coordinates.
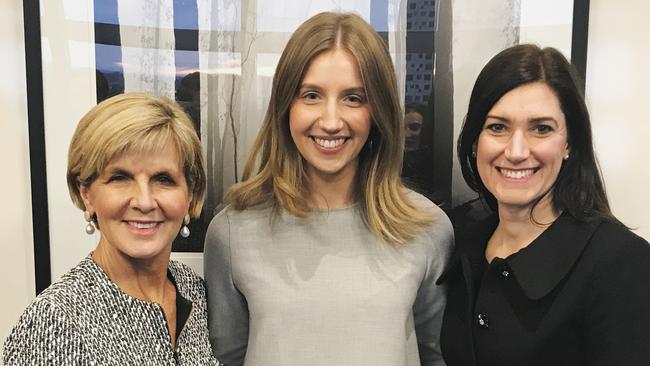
(134, 123)
(579, 188)
(275, 171)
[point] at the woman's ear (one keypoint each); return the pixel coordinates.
(567, 152)
(189, 202)
(84, 192)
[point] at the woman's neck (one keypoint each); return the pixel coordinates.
(331, 191)
(144, 279)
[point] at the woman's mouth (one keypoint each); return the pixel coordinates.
(142, 225)
(329, 143)
(517, 173)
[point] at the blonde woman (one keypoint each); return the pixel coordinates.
(322, 256)
(136, 171)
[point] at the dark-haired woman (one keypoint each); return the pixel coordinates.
(552, 278)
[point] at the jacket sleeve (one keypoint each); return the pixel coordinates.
(227, 307)
(44, 335)
(617, 323)
(431, 299)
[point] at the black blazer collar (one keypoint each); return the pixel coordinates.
(539, 267)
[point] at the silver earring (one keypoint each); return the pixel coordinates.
(185, 231)
(566, 157)
(90, 228)
(474, 154)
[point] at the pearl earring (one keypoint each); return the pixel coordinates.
(90, 228)
(185, 231)
(566, 157)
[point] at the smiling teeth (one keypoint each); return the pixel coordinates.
(142, 225)
(329, 144)
(517, 174)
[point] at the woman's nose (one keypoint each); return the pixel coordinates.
(142, 198)
(331, 120)
(517, 148)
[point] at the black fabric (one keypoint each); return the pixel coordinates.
(579, 294)
(183, 311)
(183, 308)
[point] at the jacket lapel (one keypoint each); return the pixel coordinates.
(541, 266)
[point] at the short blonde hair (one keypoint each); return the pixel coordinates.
(275, 170)
(134, 123)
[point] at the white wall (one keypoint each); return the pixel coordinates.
(618, 95)
(17, 269)
(68, 75)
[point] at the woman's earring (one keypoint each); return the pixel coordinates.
(566, 157)
(90, 228)
(185, 231)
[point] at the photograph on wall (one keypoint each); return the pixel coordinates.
(217, 60)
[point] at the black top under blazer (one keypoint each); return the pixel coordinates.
(579, 294)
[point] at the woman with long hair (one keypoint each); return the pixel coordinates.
(322, 255)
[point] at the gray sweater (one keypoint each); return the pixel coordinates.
(323, 290)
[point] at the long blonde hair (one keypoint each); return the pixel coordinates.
(275, 171)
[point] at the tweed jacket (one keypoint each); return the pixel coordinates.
(579, 294)
(85, 319)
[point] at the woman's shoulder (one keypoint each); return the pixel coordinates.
(612, 241)
(440, 225)
(420, 201)
(72, 288)
(229, 215)
(44, 334)
(438, 236)
(47, 325)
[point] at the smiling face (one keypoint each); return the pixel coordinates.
(329, 119)
(522, 145)
(140, 201)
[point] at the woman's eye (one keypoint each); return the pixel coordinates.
(354, 99)
(543, 129)
(117, 178)
(310, 96)
(165, 179)
(495, 127)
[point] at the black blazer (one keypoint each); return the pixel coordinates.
(579, 294)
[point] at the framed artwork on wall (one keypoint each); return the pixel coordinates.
(217, 59)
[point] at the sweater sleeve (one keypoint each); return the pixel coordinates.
(227, 307)
(44, 335)
(617, 324)
(431, 299)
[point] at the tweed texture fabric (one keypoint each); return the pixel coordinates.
(86, 319)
